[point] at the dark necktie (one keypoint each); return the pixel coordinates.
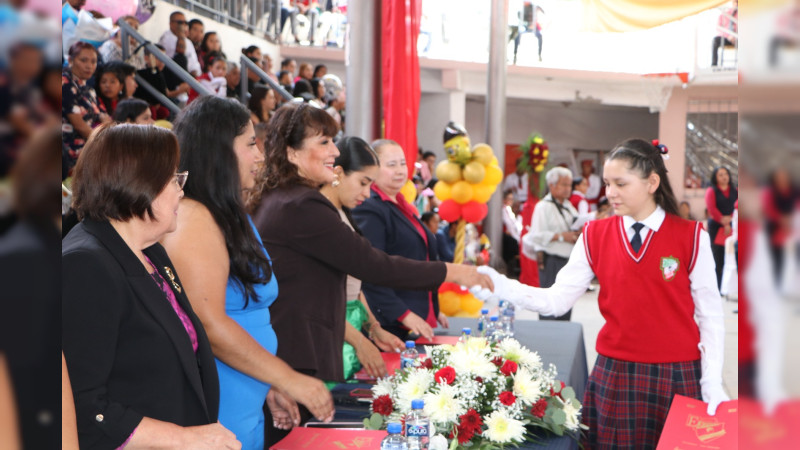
(636, 242)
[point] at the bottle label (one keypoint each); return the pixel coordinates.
(416, 430)
(406, 363)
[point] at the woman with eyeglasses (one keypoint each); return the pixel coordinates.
(139, 359)
(228, 274)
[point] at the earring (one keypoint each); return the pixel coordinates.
(335, 181)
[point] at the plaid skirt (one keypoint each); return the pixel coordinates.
(626, 403)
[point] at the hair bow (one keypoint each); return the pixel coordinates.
(661, 149)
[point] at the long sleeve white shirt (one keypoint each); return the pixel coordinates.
(547, 221)
(574, 278)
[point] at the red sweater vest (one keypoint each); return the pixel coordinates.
(645, 298)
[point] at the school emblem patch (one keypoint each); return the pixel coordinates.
(669, 267)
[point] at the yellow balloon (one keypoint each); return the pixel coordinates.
(448, 172)
(481, 193)
(495, 162)
(470, 304)
(493, 175)
(442, 191)
(462, 313)
(483, 154)
(461, 192)
(449, 302)
(474, 172)
(409, 191)
(163, 124)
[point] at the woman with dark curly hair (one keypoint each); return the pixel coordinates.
(313, 251)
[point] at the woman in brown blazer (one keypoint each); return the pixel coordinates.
(313, 251)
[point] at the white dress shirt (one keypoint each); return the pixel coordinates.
(547, 222)
(169, 40)
(575, 278)
(518, 185)
(511, 222)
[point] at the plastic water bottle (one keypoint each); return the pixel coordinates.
(409, 355)
(492, 329)
(418, 427)
(508, 323)
(465, 333)
(483, 322)
(395, 440)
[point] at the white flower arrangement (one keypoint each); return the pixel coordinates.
(481, 394)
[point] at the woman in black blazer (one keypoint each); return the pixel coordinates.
(140, 364)
(390, 223)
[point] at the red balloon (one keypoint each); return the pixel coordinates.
(449, 210)
(473, 211)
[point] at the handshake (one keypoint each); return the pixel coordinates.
(502, 288)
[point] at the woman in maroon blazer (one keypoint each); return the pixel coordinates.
(313, 251)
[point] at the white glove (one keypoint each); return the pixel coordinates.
(713, 394)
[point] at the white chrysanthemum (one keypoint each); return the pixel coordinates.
(573, 416)
(443, 406)
(512, 350)
(472, 362)
(415, 386)
(382, 387)
(475, 344)
(503, 429)
(526, 387)
(438, 442)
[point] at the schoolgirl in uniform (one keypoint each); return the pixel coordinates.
(656, 274)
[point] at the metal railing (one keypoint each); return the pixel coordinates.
(255, 16)
(247, 64)
(128, 31)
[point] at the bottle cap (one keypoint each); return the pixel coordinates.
(417, 404)
(466, 330)
(394, 428)
(484, 311)
(493, 318)
(410, 344)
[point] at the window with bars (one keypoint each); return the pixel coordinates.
(712, 140)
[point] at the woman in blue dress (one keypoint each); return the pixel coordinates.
(227, 273)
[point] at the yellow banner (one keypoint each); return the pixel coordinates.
(634, 15)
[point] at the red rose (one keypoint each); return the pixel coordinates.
(507, 398)
(427, 363)
(448, 374)
(479, 379)
(539, 408)
(508, 368)
(497, 361)
(383, 405)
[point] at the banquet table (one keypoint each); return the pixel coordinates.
(559, 343)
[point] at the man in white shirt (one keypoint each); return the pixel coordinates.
(517, 183)
(553, 230)
(178, 28)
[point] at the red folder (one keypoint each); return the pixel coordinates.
(329, 439)
(689, 427)
(719, 239)
(392, 361)
(438, 340)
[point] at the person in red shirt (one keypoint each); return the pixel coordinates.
(656, 275)
(721, 197)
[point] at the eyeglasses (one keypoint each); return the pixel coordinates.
(180, 22)
(181, 178)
